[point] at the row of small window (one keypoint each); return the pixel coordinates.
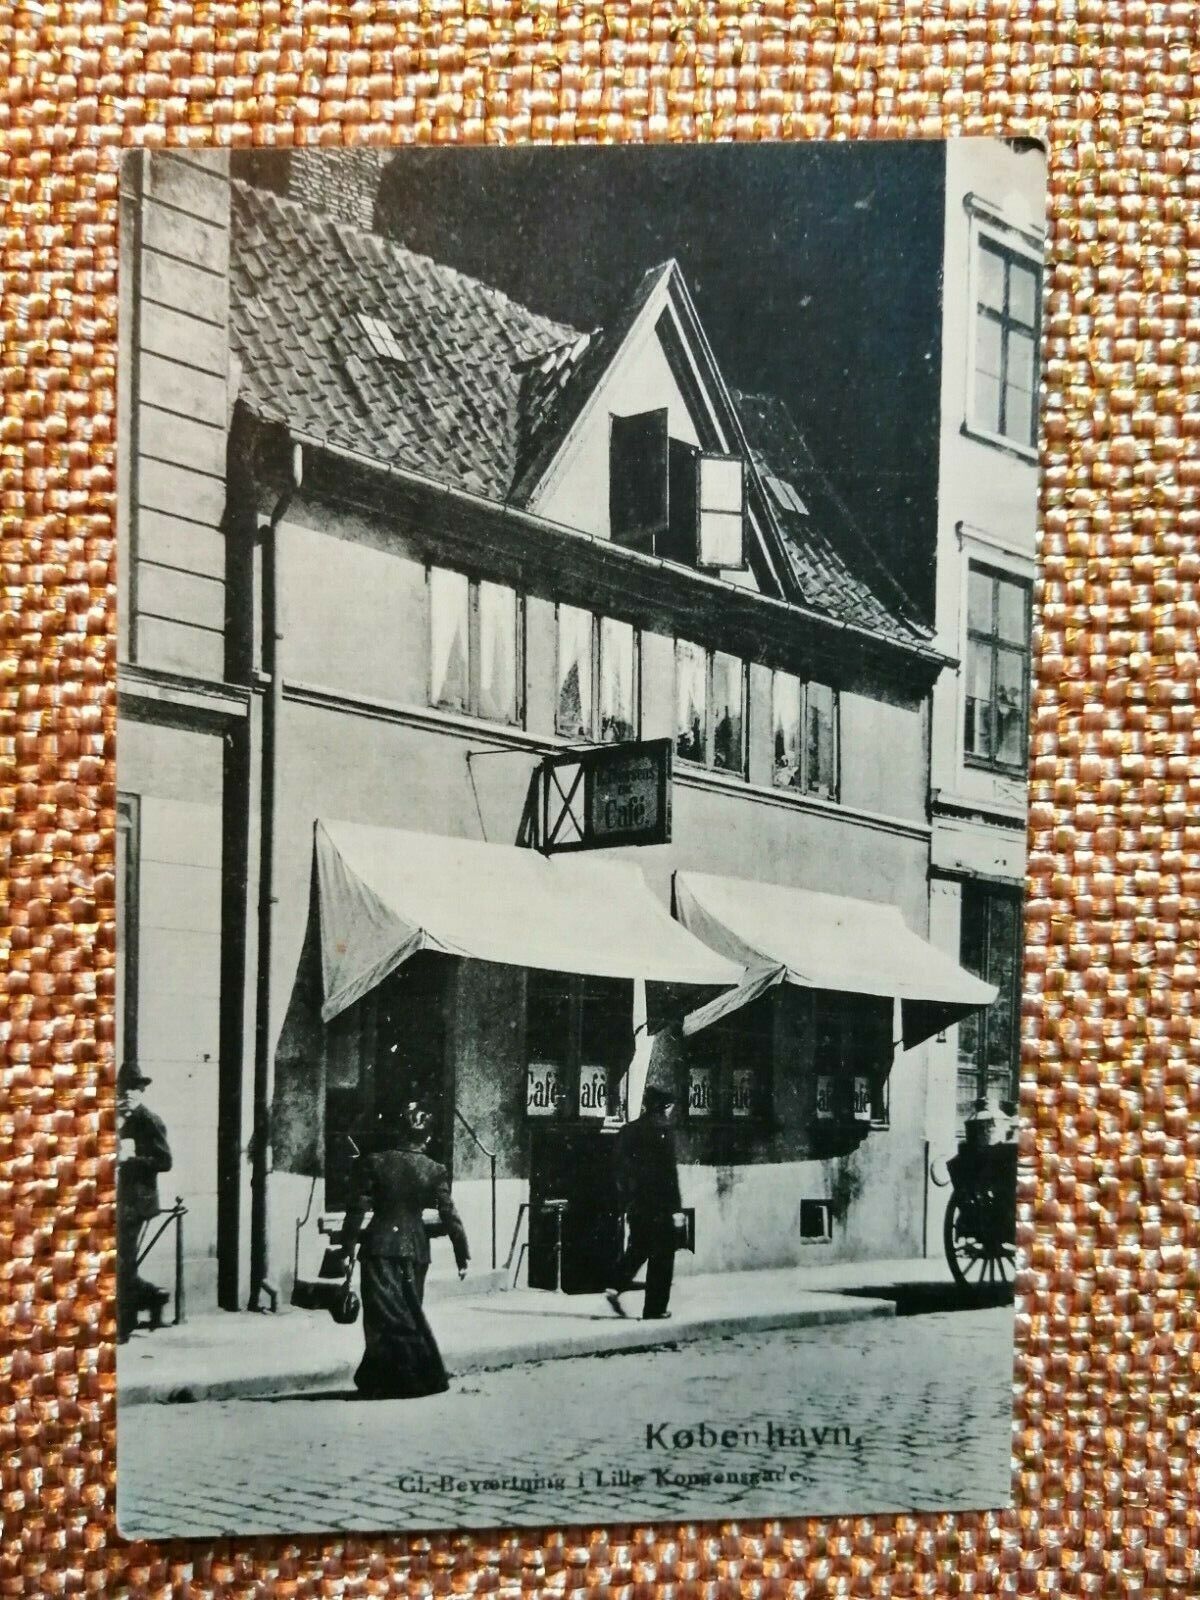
(477, 662)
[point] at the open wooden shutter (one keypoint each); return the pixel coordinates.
(722, 532)
(638, 480)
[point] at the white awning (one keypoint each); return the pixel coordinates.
(386, 894)
(824, 941)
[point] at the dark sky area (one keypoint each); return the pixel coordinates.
(815, 270)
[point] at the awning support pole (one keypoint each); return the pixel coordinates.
(491, 1160)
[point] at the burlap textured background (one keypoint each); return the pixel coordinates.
(1107, 1439)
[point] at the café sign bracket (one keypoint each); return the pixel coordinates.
(605, 796)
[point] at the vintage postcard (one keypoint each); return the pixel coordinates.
(575, 638)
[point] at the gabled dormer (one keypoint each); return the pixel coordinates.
(646, 448)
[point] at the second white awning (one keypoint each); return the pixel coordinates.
(824, 941)
(386, 894)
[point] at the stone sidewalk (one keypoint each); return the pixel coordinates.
(222, 1356)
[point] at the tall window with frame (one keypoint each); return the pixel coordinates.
(710, 708)
(476, 647)
(989, 1042)
(805, 735)
(1007, 321)
(996, 718)
(597, 683)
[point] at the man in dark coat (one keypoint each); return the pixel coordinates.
(142, 1153)
(648, 1184)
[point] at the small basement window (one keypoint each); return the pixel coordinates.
(816, 1221)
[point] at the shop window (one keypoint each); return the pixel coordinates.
(854, 1050)
(728, 1070)
(670, 499)
(996, 720)
(805, 719)
(710, 707)
(989, 1042)
(579, 1042)
(597, 678)
(1007, 319)
(476, 647)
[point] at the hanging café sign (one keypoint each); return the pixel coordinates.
(615, 794)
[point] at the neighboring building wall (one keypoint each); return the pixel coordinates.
(987, 518)
(175, 401)
(176, 775)
(174, 389)
(342, 183)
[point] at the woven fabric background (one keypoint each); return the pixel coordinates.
(1107, 1439)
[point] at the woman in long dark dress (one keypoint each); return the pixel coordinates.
(396, 1183)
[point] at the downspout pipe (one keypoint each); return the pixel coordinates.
(261, 1288)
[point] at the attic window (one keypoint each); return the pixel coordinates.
(380, 337)
(785, 495)
(667, 498)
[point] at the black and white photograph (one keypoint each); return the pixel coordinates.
(575, 626)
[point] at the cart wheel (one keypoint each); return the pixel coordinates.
(979, 1257)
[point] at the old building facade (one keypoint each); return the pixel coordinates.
(390, 540)
(987, 521)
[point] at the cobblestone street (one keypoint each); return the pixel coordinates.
(898, 1414)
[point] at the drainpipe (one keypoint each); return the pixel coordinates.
(261, 1287)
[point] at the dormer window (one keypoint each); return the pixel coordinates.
(668, 498)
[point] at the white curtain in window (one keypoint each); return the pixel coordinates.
(691, 700)
(573, 718)
(449, 611)
(785, 715)
(499, 653)
(618, 720)
(728, 712)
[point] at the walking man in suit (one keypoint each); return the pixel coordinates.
(142, 1153)
(648, 1184)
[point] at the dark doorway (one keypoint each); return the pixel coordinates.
(572, 1188)
(385, 1051)
(579, 1040)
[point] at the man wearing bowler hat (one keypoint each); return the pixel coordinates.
(142, 1153)
(648, 1183)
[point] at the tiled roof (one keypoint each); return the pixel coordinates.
(835, 566)
(473, 381)
(350, 337)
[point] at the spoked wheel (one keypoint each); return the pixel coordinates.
(979, 1255)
